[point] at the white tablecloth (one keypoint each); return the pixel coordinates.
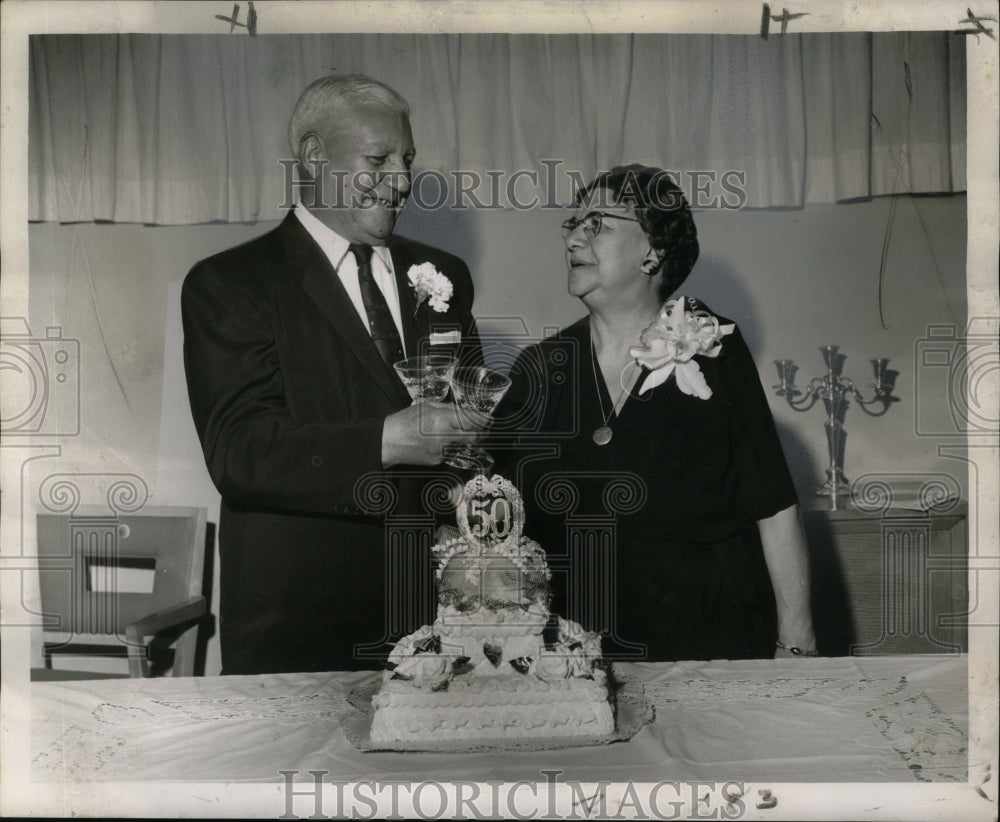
(885, 719)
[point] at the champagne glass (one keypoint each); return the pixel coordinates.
(476, 389)
(427, 377)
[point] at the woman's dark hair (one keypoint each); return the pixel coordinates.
(663, 213)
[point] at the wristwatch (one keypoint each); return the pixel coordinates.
(794, 650)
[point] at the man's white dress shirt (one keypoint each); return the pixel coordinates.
(336, 249)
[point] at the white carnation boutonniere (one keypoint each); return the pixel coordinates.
(430, 284)
(672, 341)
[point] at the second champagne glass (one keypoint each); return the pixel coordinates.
(477, 389)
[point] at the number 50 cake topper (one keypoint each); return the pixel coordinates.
(491, 512)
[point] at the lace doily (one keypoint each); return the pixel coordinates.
(908, 719)
(925, 737)
(103, 746)
(80, 752)
(285, 709)
(705, 694)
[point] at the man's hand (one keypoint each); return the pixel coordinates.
(416, 435)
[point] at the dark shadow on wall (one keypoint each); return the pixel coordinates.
(457, 231)
(833, 616)
(725, 292)
(453, 230)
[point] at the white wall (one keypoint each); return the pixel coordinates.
(792, 279)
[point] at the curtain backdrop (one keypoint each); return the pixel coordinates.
(182, 129)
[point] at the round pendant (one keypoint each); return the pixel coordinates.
(602, 436)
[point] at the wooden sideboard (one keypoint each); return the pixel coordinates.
(892, 582)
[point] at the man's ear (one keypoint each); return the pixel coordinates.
(311, 149)
(651, 262)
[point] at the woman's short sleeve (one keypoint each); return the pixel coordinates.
(765, 483)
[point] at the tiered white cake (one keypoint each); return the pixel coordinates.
(495, 664)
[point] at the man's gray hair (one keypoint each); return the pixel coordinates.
(326, 97)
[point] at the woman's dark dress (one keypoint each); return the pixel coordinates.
(685, 480)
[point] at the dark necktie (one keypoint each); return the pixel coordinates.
(380, 322)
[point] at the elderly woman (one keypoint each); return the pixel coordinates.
(660, 397)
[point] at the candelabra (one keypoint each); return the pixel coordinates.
(835, 389)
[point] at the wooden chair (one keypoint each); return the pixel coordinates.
(92, 606)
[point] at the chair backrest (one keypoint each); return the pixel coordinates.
(100, 572)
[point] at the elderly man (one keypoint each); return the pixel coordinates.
(289, 342)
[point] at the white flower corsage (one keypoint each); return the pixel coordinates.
(430, 284)
(670, 343)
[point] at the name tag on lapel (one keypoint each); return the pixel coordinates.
(450, 337)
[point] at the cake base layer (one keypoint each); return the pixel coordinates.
(510, 707)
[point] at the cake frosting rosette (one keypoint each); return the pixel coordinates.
(571, 633)
(427, 670)
(560, 663)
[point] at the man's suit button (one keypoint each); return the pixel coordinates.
(317, 461)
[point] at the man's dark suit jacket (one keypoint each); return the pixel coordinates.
(289, 394)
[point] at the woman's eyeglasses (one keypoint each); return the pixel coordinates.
(592, 223)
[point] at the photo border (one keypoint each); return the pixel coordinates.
(976, 798)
